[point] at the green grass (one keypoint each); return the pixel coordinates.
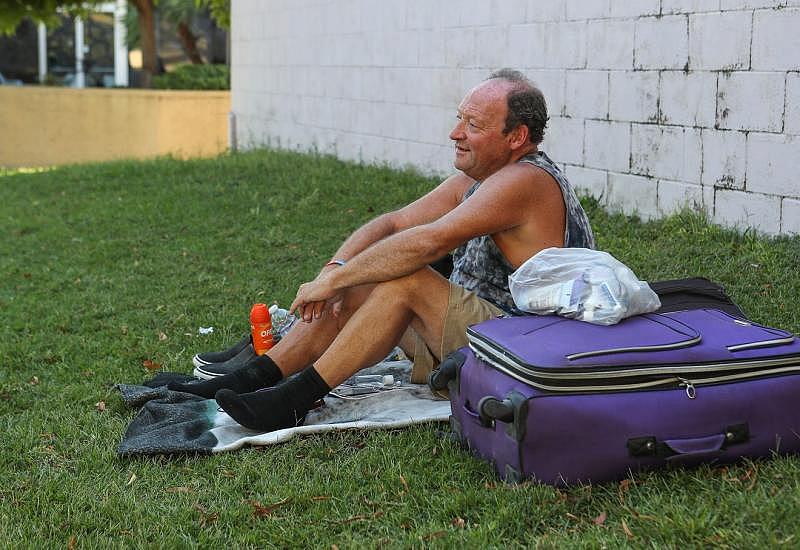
(106, 266)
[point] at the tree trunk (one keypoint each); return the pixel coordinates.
(189, 43)
(147, 32)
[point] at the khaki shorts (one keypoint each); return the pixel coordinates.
(464, 308)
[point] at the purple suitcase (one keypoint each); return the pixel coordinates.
(563, 401)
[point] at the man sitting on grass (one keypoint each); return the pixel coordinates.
(507, 202)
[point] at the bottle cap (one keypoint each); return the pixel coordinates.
(272, 309)
(259, 313)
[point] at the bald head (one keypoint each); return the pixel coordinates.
(524, 101)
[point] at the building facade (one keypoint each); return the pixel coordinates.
(655, 105)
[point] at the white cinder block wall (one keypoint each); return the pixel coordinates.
(654, 104)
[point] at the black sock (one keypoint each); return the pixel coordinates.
(261, 372)
(283, 406)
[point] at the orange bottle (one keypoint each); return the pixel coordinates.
(261, 329)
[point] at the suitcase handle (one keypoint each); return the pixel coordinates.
(513, 410)
(678, 449)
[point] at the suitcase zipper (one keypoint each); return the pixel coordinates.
(627, 379)
(501, 357)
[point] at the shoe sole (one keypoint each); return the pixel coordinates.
(198, 372)
(212, 370)
(199, 362)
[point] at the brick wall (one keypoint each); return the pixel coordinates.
(654, 104)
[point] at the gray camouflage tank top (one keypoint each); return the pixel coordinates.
(479, 265)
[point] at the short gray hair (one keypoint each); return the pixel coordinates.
(526, 104)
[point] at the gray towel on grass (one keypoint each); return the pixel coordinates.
(172, 422)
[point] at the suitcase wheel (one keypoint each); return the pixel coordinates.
(448, 371)
(513, 410)
(490, 408)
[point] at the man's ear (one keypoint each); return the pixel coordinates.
(518, 136)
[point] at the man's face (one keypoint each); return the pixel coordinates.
(481, 147)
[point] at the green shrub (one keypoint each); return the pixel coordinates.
(195, 77)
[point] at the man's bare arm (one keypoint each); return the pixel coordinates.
(502, 202)
(426, 209)
(445, 197)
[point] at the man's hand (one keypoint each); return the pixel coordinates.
(314, 297)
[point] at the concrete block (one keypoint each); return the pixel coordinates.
(563, 140)
(792, 120)
(434, 125)
(751, 101)
(626, 8)
(719, 41)
(415, 14)
(661, 42)
(611, 44)
(790, 217)
(552, 84)
(546, 10)
(424, 156)
(431, 49)
(422, 85)
(773, 164)
(348, 146)
(724, 158)
(459, 47)
(449, 91)
(406, 56)
(382, 56)
(607, 145)
(587, 181)
(371, 83)
(443, 164)
(688, 6)
(395, 152)
(504, 12)
(742, 210)
(469, 78)
(688, 99)
(666, 152)
(633, 95)
(525, 46)
(587, 9)
(776, 42)
(674, 196)
(586, 94)
(407, 121)
(395, 86)
(471, 14)
(632, 195)
(371, 149)
(491, 45)
(755, 4)
(708, 200)
(565, 45)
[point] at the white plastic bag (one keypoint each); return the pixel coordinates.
(580, 283)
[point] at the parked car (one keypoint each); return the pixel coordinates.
(9, 81)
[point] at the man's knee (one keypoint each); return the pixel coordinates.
(421, 283)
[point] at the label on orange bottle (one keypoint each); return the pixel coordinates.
(261, 329)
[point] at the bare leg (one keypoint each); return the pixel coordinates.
(306, 342)
(419, 300)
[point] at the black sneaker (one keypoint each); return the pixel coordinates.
(213, 370)
(202, 359)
